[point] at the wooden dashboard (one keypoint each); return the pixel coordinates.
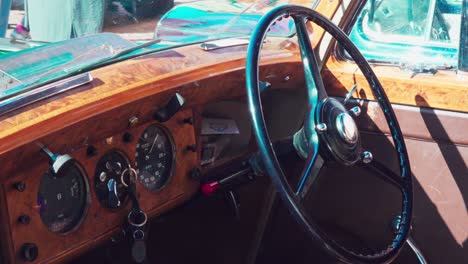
(98, 114)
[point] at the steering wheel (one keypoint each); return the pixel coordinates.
(329, 133)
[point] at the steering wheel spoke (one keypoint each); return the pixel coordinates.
(384, 172)
(309, 175)
(315, 87)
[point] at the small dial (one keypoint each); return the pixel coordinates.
(110, 191)
(154, 157)
(63, 198)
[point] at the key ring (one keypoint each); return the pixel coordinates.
(137, 218)
(130, 170)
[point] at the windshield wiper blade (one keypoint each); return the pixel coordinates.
(9, 104)
(135, 48)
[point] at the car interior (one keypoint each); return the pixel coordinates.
(343, 141)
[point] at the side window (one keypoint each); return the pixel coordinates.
(413, 33)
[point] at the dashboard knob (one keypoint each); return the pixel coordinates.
(188, 120)
(127, 137)
(29, 252)
(133, 121)
(195, 174)
(24, 219)
(114, 166)
(20, 186)
(91, 151)
(192, 148)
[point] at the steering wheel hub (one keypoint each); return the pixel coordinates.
(347, 129)
(342, 135)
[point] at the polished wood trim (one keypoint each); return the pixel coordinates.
(443, 90)
(132, 80)
(222, 87)
(328, 9)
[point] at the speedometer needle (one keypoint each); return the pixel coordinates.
(154, 142)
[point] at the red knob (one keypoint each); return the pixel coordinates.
(209, 188)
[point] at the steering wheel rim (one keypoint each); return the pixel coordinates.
(307, 140)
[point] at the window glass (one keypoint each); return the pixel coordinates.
(410, 32)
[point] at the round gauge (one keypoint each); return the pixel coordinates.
(63, 198)
(110, 191)
(154, 157)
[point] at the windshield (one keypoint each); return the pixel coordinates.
(43, 40)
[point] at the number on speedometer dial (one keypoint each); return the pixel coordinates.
(154, 157)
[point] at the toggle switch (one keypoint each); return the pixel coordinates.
(170, 109)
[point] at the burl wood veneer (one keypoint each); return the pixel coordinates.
(92, 113)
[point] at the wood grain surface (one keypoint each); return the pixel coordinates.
(443, 90)
(92, 113)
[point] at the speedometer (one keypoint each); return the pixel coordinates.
(63, 198)
(154, 157)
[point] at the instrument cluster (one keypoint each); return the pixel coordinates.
(64, 196)
(83, 194)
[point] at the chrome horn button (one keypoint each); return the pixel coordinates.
(347, 128)
(341, 137)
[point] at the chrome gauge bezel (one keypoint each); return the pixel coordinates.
(126, 158)
(87, 204)
(168, 134)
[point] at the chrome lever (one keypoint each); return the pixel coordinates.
(56, 161)
(264, 85)
(350, 93)
(410, 241)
